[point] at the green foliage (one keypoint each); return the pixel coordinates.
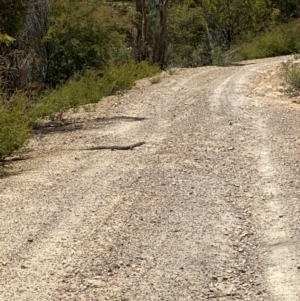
(281, 40)
(218, 56)
(91, 87)
(123, 77)
(189, 45)
(14, 127)
(12, 16)
(231, 21)
(6, 39)
(290, 71)
(200, 31)
(121, 55)
(189, 56)
(288, 8)
(81, 36)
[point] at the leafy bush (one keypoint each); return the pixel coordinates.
(189, 56)
(91, 87)
(14, 128)
(121, 54)
(189, 45)
(281, 40)
(81, 35)
(290, 71)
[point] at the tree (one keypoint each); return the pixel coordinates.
(80, 36)
(32, 65)
(231, 21)
(188, 36)
(200, 30)
(163, 6)
(150, 24)
(141, 28)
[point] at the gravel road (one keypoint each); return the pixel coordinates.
(207, 209)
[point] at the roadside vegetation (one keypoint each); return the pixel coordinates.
(91, 87)
(290, 72)
(61, 54)
(281, 39)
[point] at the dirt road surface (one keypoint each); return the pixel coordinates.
(207, 209)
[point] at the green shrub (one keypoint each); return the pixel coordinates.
(121, 54)
(190, 56)
(54, 102)
(91, 87)
(217, 56)
(14, 129)
(281, 40)
(81, 35)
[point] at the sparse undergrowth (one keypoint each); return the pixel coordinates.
(91, 87)
(290, 72)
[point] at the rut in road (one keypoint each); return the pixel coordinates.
(206, 209)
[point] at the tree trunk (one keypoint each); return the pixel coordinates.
(297, 4)
(141, 31)
(163, 32)
(144, 31)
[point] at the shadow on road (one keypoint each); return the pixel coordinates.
(44, 128)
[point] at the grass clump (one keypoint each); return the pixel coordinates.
(290, 71)
(281, 40)
(91, 87)
(155, 80)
